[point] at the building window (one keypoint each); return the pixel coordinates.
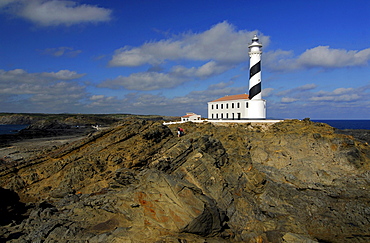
(216, 116)
(227, 115)
(212, 107)
(232, 105)
(238, 105)
(222, 106)
(246, 104)
(212, 116)
(216, 106)
(227, 106)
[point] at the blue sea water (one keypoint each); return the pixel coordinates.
(347, 124)
(11, 129)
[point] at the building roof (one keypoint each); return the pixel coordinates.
(233, 97)
(190, 114)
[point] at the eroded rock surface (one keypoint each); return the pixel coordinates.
(294, 181)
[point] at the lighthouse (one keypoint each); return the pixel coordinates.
(243, 106)
(256, 105)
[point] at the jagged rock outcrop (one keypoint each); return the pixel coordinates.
(294, 181)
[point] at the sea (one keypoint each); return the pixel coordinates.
(11, 129)
(347, 124)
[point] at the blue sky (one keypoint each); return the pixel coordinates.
(168, 57)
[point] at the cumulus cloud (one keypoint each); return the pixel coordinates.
(288, 99)
(267, 92)
(5, 3)
(20, 82)
(220, 85)
(319, 57)
(144, 103)
(323, 56)
(340, 94)
(56, 12)
(144, 81)
(207, 54)
(221, 43)
(299, 89)
(40, 92)
(61, 51)
(161, 80)
(63, 75)
(195, 101)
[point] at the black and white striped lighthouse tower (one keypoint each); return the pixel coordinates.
(256, 105)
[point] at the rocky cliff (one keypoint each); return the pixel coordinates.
(293, 181)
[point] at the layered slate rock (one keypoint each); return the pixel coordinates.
(294, 181)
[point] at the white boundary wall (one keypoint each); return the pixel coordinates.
(227, 121)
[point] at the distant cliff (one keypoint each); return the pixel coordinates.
(68, 119)
(19, 119)
(294, 181)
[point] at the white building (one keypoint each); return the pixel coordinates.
(231, 107)
(190, 116)
(243, 106)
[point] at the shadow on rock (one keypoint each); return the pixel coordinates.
(11, 209)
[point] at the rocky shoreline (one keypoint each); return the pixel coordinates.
(136, 181)
(360, 134)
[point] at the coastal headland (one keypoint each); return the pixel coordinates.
(134, 180)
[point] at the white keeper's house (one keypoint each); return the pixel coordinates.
(231, 107)
(243, 106)
(190, 116)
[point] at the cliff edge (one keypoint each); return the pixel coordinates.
(293, 181)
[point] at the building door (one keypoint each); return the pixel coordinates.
(239, 115)
(233, 116)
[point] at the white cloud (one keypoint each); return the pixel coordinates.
(348, 97)
(41, 92)
(4, 3)
(56, 12)
(222, 43)
(207, 70)
(144, 81)
(299, 89)
(267, 92)
(143, 103)
(340, 94)
(323, 56)
(213, 52)
(61, 51)
(306, 87)
(59, 93)
(33, 92)
(288, 99)
(161, 80)
(97, 97)
(319, 57)
(18, 81)
(220, 85)
(63, 75)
